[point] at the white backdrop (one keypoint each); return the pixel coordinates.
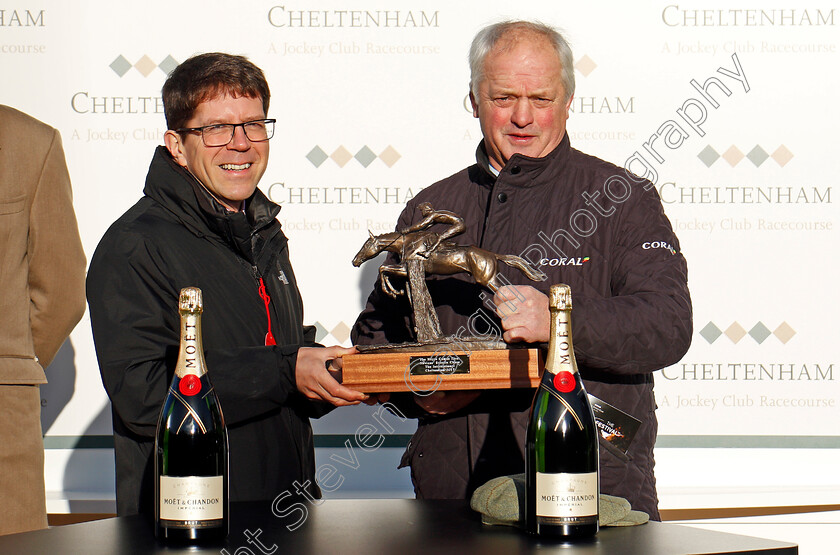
(370, 98)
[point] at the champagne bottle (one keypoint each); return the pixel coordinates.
(562, 479)
(191, 444)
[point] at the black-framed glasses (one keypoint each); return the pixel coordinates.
(221, 134)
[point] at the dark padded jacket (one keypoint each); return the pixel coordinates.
(610, 240)
(178, 236)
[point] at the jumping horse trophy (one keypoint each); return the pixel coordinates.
(456, 362)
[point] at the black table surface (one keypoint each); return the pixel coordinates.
(377, 526)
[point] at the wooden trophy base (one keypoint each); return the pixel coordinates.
(390, 372)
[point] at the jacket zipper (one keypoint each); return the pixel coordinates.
(269, 340)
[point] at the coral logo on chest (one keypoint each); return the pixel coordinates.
(578, 261)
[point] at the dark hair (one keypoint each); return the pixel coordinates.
(206, 76)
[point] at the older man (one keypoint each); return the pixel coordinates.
(585, 222)
(203, 222)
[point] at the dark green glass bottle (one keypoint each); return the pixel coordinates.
(191, 445)
(562, 477)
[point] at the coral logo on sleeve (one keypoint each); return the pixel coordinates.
(647, 245)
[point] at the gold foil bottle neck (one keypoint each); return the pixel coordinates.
(190, 301)
(560, 297)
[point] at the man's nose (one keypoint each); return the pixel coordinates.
(240, 139)
(523, 113)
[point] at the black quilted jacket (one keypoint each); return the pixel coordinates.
(586, 223)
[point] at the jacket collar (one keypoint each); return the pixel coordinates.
(179, 192)
(524, 171)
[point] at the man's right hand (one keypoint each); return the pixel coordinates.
(316, 382)
(524, 313)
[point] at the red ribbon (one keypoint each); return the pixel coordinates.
(269, 338)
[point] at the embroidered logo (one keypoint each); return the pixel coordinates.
(658, 245)
(281, 275)
(579, 261)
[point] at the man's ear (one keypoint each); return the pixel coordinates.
(175, 146)
(474, 105)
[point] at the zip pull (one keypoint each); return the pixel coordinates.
(269, 338)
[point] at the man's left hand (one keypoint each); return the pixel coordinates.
(524, 313)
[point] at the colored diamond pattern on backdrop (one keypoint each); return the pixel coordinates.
(341, 156)
(364, 156)
(168, 64)
(320, 332)
(710, 332)
(759, 332)
(733, 155)
(389, 156)
(145, 66)
(585, 65)
(317, 156)
(757, 156)
(784, 332)
(735, 332)
(341, 332)
(782, 155)
(708, 156)
(120, 65)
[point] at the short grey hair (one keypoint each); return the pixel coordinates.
(488, 37)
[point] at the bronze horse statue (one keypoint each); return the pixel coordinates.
(438, 257)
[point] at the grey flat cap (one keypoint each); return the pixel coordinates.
(502, 501)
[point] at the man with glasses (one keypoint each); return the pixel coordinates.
(203, 222)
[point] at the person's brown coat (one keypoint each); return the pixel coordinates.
(42, 271)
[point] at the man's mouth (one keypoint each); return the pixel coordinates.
(235, 167)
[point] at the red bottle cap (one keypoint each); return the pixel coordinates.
(564, 382)
(190, 385)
